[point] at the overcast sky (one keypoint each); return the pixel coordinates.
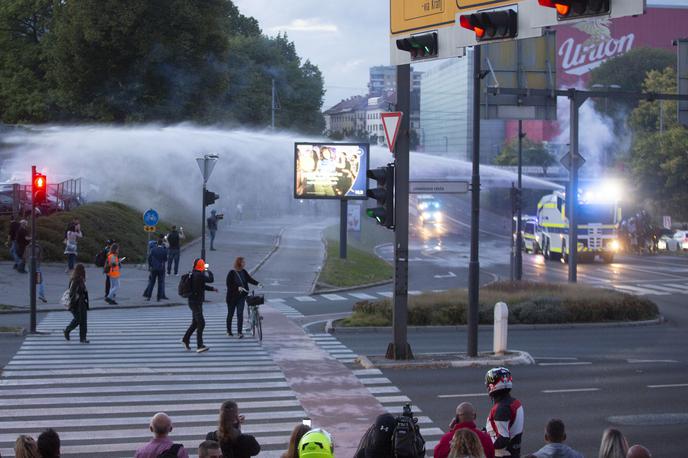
(344, 38)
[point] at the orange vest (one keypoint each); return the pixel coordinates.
(113, 262)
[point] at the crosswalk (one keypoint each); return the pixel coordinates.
(100, 396)
(652, 289)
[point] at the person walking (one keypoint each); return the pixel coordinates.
(174, 238)
(101, 261)
(237, 290)
(22, 239)
(12, 241)
(71, 237)
(200, 277)
(232, 441)
(78, 303)
(506, 419)
(156, 262)
(212, 228)
(112, 270)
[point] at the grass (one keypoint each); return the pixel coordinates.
(529, 303)
(100, 221)
(10, 328)
(359, 268)
(371, 234)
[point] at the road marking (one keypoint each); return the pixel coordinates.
(333, 297)
(469, 395)
(674, 385)
(577, 363)
(666, 288)
(362, 296)
(304, 299)
(571, 390)
(677, 285)
(448, 275)
(556, 358)
(386, 294)
(415, 293)
(644, 361)
(639, 291)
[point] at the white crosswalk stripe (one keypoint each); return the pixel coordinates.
(286, 310)
(101, 396)
(640, 290)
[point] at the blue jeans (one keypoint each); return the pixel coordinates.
(71, 260)
(13, 253)
(41, 285)
(114, 286)
(173, 257)
(212, 239)
(238, 305)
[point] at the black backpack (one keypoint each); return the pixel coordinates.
(101, 257)
(171, 452)
(406, 439)
(185, 287)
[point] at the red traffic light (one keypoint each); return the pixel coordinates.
(575, 9)
(562, 8)
(40, 186)
(491, 25)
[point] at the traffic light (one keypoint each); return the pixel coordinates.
(491, 25)
(209, 197)
(575, 9)
(39, 189)
(383, 194)
(420, 46)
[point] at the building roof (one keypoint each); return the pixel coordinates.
(355, 103)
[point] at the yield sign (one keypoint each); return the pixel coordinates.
(391, 123)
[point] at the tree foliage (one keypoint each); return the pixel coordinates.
(651, 116)
(159, 60)
(534, 154)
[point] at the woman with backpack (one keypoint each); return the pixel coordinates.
(232, 441)
(78, 303)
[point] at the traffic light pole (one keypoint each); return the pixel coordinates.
(32, 267)
(343, 217)
(400, 349)
(474, 264)
(572, 205)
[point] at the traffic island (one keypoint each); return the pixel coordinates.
(446, 360)
(360, 268)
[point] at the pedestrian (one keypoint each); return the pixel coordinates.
(200, 277)
(161, 427)
(174, 238)
(466, 444)
(49, 444)
(112, 270)
(101, 261)
(156, 262)
(209, 449)
(232, 441)
(71, 237)
(22, 239)
(78, 303)
(316, 443)
(506, 419)
(40, 281)
(26, 447)
(464, 419)
(12, 241)
(555, 435)
(638, 451)
(613, 445)
(377, 441)
(296, 435)
(237, 290)
(212, 228)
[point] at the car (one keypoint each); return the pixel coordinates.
(428, 209)
(681, 238)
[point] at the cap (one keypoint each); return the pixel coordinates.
(200, 265)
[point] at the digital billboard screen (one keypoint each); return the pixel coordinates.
(331, 170)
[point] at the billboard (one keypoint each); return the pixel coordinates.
(330, 170)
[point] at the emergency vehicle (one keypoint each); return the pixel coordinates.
(598, 217)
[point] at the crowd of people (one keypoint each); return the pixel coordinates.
(501, 436)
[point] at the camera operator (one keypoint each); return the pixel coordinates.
(212, 226)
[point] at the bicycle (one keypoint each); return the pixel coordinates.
(255, 319)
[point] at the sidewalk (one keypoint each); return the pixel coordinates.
(254, 240)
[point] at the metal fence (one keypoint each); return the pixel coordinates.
(15, 198)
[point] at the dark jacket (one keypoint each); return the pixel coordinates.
(20, 238)
(173, 240)
(199, 286)
(157, 258)
(234, 281)
(78, 295)
(245, 446)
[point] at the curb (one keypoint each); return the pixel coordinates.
(331, 329)
(516, 358)
(352, 288)
(275, 247)
(22, 332)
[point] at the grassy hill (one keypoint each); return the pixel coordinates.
(99, 221)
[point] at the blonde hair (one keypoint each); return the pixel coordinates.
(613, 444)
(26, 447)
(466, 443)
(237, 262)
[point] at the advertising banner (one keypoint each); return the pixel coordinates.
(330, 170)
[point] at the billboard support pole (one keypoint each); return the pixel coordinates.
(399, 348)
(343, 217)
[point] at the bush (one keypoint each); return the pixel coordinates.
(529, 303)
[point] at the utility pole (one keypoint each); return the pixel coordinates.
(518, 255)
(32, 267)
(572, 205)
(474, 264)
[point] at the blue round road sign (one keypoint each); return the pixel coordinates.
(151, 217)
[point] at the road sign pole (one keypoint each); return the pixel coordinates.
(518, 260)
(32, 267)
(400, 349)
(203, 221)
(343, 226)
(572, 208)
(474, 264)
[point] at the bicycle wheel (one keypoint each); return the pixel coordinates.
(259, 325)
(253, 321)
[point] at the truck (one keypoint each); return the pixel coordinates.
(598, 218)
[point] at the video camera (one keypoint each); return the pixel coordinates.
(220, 215)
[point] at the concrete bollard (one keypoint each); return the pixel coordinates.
(501, 326)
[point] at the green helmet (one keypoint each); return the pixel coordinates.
(316, 443)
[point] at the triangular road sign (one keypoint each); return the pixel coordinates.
(391, 123)
(566, 161)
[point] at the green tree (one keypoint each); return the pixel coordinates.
(534, 154)
(628, 71)
(654, 116)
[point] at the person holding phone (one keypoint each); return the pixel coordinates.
(237, 290)
(112, 270)
(232, 441)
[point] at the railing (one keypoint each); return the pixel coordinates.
(15, 198)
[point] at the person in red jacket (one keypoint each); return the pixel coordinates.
(465, 419)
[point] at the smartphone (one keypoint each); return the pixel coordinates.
(123, 259)
(307, 422)
(206, 266)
